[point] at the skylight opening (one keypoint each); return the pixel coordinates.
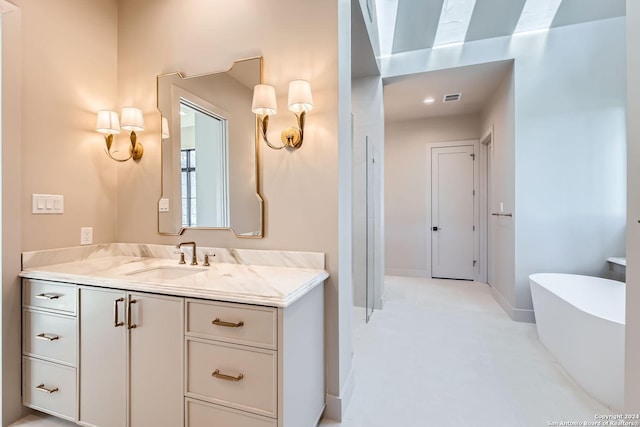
(537, 15)
(386, 15)
(454, 22)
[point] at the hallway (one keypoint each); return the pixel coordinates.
(443, 353)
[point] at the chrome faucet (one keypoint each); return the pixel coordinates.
(194, 259)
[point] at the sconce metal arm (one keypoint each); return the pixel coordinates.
(291, 137)
(108, 139)
(135, 150)
(264, 127)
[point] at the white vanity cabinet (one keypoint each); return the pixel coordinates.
(49, 348)
(141, 356)
(131, 359)
(254, 366)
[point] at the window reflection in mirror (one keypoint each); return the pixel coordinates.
(204, 141)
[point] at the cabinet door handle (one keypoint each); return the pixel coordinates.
(218, 375)
(115, 313)
(47, 337)
(129, 325)
(43, 389)
(219, 322)
(47, 296)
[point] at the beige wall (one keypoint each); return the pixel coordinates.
(300, 188)
(59, 68)
(11, 192)
(406, 229)
(632, 372)
(80, 57)
(69, 61)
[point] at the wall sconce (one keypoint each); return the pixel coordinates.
(300, 101)
(132, 121)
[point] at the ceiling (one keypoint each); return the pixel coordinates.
(406, 25)
(403, 96)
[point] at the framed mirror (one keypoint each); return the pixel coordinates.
(209, 152)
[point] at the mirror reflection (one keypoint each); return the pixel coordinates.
(209, 157)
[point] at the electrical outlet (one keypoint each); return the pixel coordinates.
(86, 235)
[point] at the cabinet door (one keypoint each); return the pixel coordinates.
(102, 358)
(156, 361)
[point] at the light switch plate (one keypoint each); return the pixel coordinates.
(47, 204)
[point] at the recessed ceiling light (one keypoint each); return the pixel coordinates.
(429, 100)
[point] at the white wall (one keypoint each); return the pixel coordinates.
(337, 404)
(499, 118)
(632, 371)
(569, 211)
(570, 152)
(368, 223)
(406, 205)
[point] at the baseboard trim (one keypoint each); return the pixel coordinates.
(406, 272)
(337, 405)
(516, 314)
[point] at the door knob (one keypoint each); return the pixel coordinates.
(435, 229)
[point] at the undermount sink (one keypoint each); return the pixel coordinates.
(165, 273)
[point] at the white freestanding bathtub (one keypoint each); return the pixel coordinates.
(580, 319)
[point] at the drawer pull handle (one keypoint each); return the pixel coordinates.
(219, 322)
(47, 296)
(43, 389)
(115, 312)
(47, 337)
(217, 374)
(129, 324)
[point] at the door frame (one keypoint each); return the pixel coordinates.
(486, 150)
(476, 205)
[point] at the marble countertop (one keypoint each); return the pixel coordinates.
(275, 286)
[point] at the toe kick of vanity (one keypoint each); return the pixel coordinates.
(121, 357)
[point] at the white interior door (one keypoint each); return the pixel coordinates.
(452, 212)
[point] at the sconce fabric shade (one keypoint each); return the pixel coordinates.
(165, 128)
(300, 96)
(132, 119)
(264, 100)
(108, 122)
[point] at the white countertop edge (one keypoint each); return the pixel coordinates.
(618, 260)
(167, 289)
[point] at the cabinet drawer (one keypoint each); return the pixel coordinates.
(39, 376)
(201, 414)
(258, 324)
(49, 295)
(255, 391)
(49, 336)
